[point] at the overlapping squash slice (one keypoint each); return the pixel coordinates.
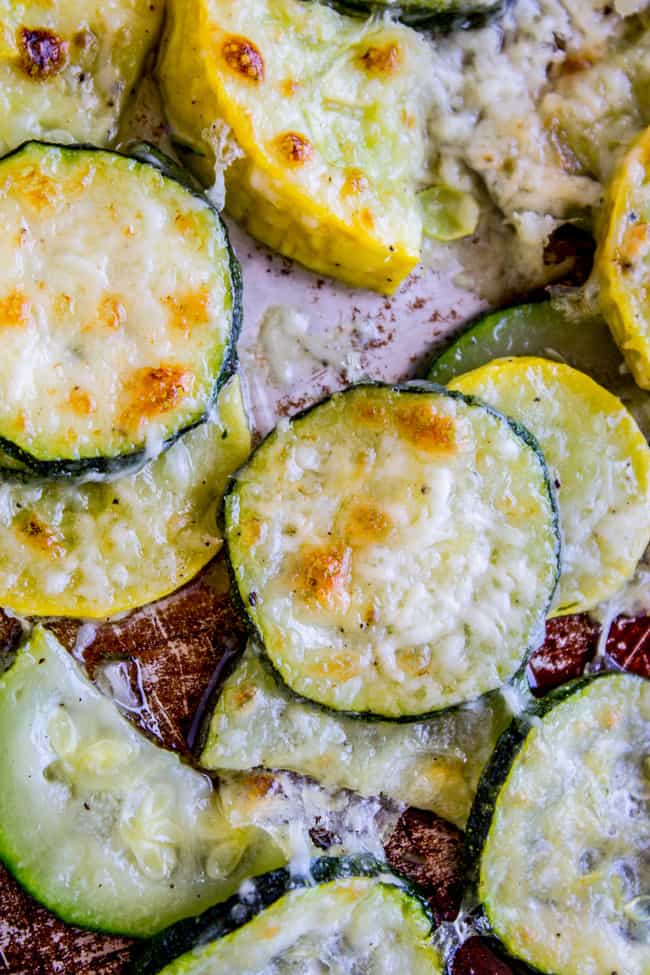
(623, 259)
(560, 831)
(68, 66)
(433, 764)
(396, 547)
(435, 14)
(327, 113)
(342, 915)
(99, 548)
(102, 826)
(119, 308)
(600, 462)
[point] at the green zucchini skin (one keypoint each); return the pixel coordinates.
(436, 16)
(493, 781)
(30, 467)
(540, 329)
(223, 919)
(425, 387)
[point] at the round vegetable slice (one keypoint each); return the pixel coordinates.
(622, 263)
(98, 548)
(324, 128)
(441, 15)
(560, 833)
(345, 914)
(105, 828)
(541, 329)
(119, 308)
(396, 547)
(600, 463)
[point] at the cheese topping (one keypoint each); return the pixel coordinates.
(68, 66)
(116, 304)
(96, 549)
(565, 876)
(600, 462)
(396, 549)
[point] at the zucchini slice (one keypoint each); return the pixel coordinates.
(347, 914)
(120, 302)
(327, 119)
(438, 15)
(541, 329)
(600, 462)
(67, 67)
(433, 764)
(98, 548)
(560, 831)
(396, 547)
(622, 263)
(100, 825)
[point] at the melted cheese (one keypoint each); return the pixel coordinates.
(396, 550)
(68, 66)
(600, 463)
(433, 764)
(327, 112)
(565, 868)
(115, 303)
(96, 549)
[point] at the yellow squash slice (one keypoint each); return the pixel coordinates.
(327, 115)
(623, 259)
(600, 462)
(68, 66)
(101, 548)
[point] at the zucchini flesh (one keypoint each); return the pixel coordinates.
(67, 66)
(100, 548)
(561, 827)
(433, 764)
(323, 119)
(348, 914)
(439, 15)
(100, 825)
(600, 462)
(396, 548)
(541, 329)
(118, 314)
(622, 263)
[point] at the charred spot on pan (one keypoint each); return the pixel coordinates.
(42, 52)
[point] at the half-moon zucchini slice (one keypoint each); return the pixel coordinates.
(433, 764)
(560, 832)
(396, 548)
(541, 329)
(345, 914)
(67, 67)
(600, 462)
(119, 306)
(438, 15)
(622, 263)
(105, 828)
(100, 548)
(325, 116)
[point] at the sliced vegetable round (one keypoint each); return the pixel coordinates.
(542, 329)
(345, 914)
(100, 825)
(396, 547)
(97, 548)
(600, 462)
(622, 263)
(433, 764)
(68, 67)
(439, 15)
(560, 832)
(324, 126)
(119, 306)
